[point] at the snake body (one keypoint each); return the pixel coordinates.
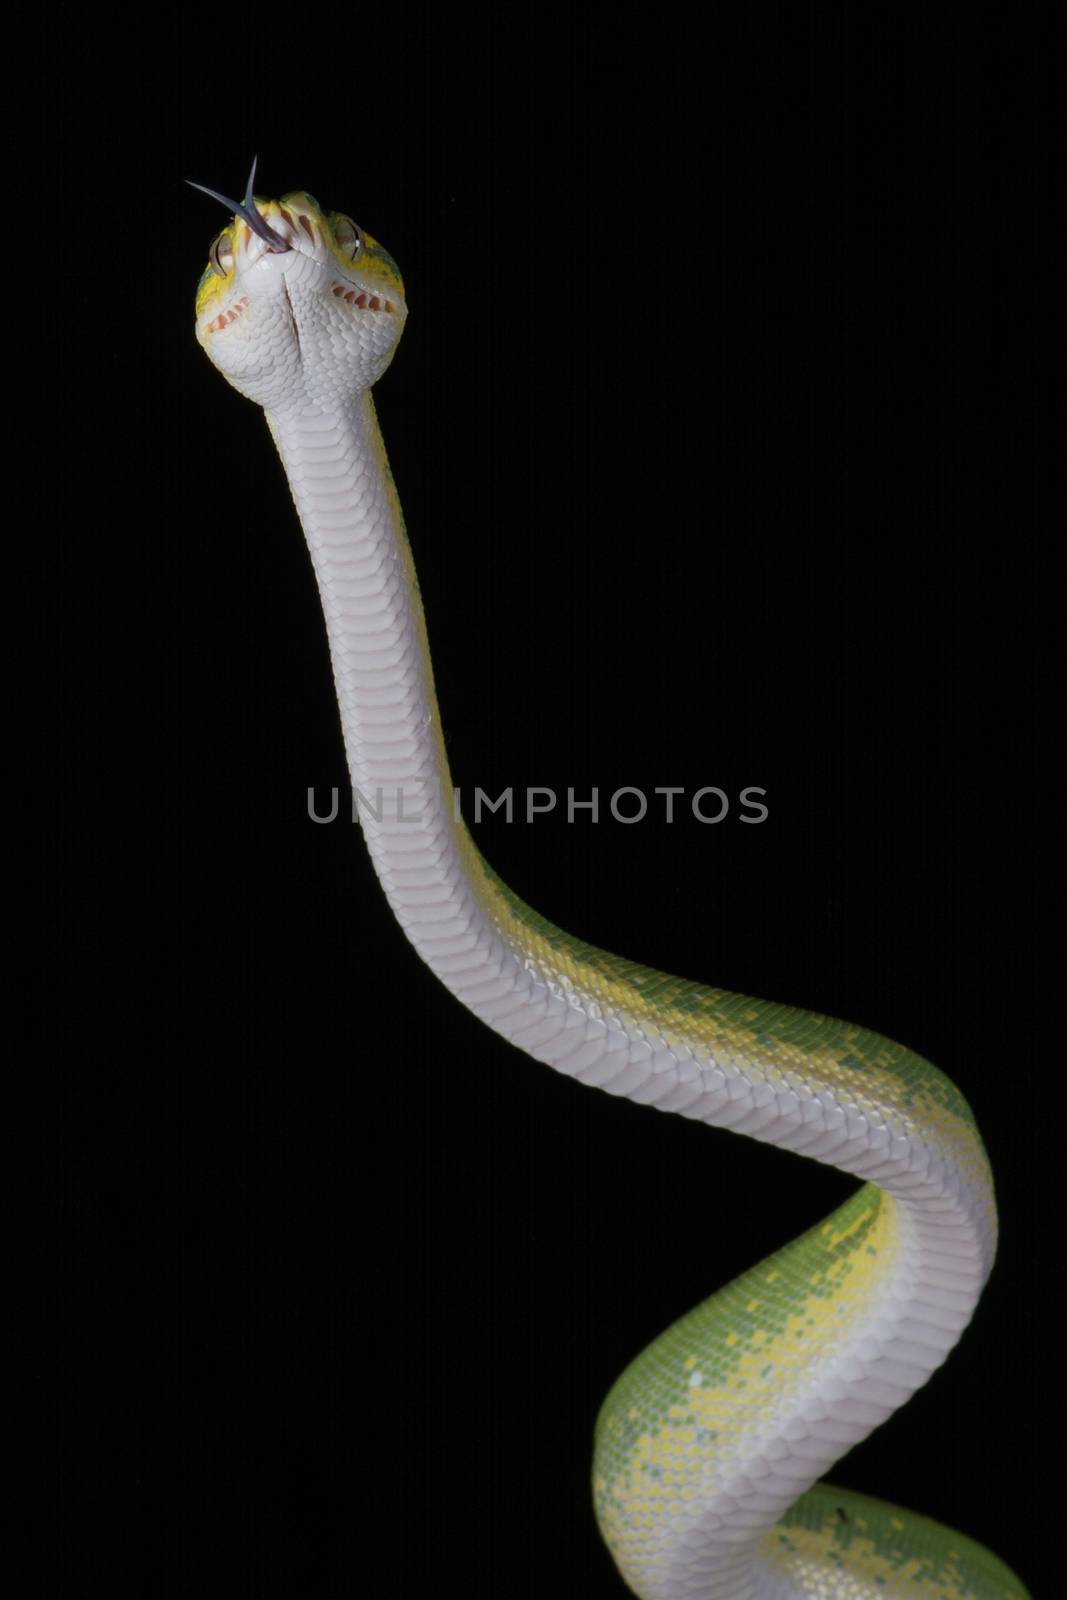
(709, 1445)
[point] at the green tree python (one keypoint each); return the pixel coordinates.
(709, 1446)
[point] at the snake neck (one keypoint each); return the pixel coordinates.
(439, 888)
(340, 478)
(802, 1357)
(344, 494)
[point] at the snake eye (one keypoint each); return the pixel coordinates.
(221, 255)
(348, 237)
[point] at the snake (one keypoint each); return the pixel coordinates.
(711, 1447)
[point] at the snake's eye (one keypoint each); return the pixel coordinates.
(349, 239)
(221, 255)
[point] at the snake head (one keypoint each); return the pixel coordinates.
(297, 305)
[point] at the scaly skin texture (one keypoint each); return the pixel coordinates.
(708, 1445)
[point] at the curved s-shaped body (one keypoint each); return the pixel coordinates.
(709, 1444)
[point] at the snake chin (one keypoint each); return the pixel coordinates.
(309, 324)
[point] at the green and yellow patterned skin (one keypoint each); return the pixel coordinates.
(709, 1445)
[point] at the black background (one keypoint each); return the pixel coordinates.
(711, 424)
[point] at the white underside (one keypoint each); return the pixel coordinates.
(389, 718)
